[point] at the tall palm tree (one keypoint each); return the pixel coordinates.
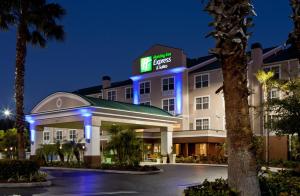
(294, 36)
(36, 22)
(232, 18)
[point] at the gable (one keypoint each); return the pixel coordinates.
(59, 101)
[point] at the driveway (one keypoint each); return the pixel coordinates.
(95, 183)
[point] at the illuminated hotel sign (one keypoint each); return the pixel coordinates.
(155, 62)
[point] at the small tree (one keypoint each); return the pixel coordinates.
(48, 151)
(287, 110)
(267, 82)
(125, 145)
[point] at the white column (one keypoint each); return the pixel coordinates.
(36, 138)
(93, 144)
(166, 141)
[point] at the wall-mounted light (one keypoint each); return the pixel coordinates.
(86, 113)
(31, 122)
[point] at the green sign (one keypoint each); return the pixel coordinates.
(146, 64)
(156, 62)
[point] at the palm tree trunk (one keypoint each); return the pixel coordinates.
(19, 86)
(242, 171)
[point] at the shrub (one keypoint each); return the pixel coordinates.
(219, 187)
(280, 183)
(14, 168)
(127, 167)
(125, 146)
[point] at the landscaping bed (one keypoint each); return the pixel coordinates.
(202, 159)
(21, 172)
(103, 166)
(128, 167)
(271, 183)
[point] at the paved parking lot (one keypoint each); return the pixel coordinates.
(95, 183)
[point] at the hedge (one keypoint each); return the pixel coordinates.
(13, 168)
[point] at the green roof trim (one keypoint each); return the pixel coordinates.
(125, 106)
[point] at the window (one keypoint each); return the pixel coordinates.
(201, 81)
(112, 95)
(72, 135)
(58, 135)
(202, 124)
(144, 88)
(145, 103)
(168, 105)
(274, 93)
(275, 69)
(101, 96)
(46, 136)
(128, 93)
(202, 103)
(168, 84)
(269, 122)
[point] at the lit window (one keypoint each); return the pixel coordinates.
(169, 105)
(202, 124)
(274, 93)
(144, 88)
(128, 93)
(46, 136)
(58, 135)
(112, 95)
(145, 103)
(72, 135)
(201, 81)
(275, 69)
(202, 103)
(168, 84)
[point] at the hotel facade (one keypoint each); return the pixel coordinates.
(170, 100)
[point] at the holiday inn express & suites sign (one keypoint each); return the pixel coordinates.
(155, 62)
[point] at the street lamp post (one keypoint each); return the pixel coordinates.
(6, 113)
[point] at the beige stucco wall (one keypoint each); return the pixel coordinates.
(216, 110)
(65, 134)
(120, 93)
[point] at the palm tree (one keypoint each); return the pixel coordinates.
(267, 82)
(232, 18)
(294, 36)
(36, 22)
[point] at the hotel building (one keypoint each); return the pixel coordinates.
(170, 100)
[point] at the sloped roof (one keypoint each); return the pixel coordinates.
(282, 55)
(195, 61)
(103, 103)
(98, 88)
(89, 90)
(216, 64)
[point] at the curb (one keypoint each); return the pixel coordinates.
(200, 164)
(105, 171)
(25, 184)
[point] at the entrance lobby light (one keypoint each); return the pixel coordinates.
(85, 112)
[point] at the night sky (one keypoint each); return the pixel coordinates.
(104, 37)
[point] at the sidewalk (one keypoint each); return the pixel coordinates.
(192, 164)
(273, 169)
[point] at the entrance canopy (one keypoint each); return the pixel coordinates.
(69, 110)
(62, 107)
